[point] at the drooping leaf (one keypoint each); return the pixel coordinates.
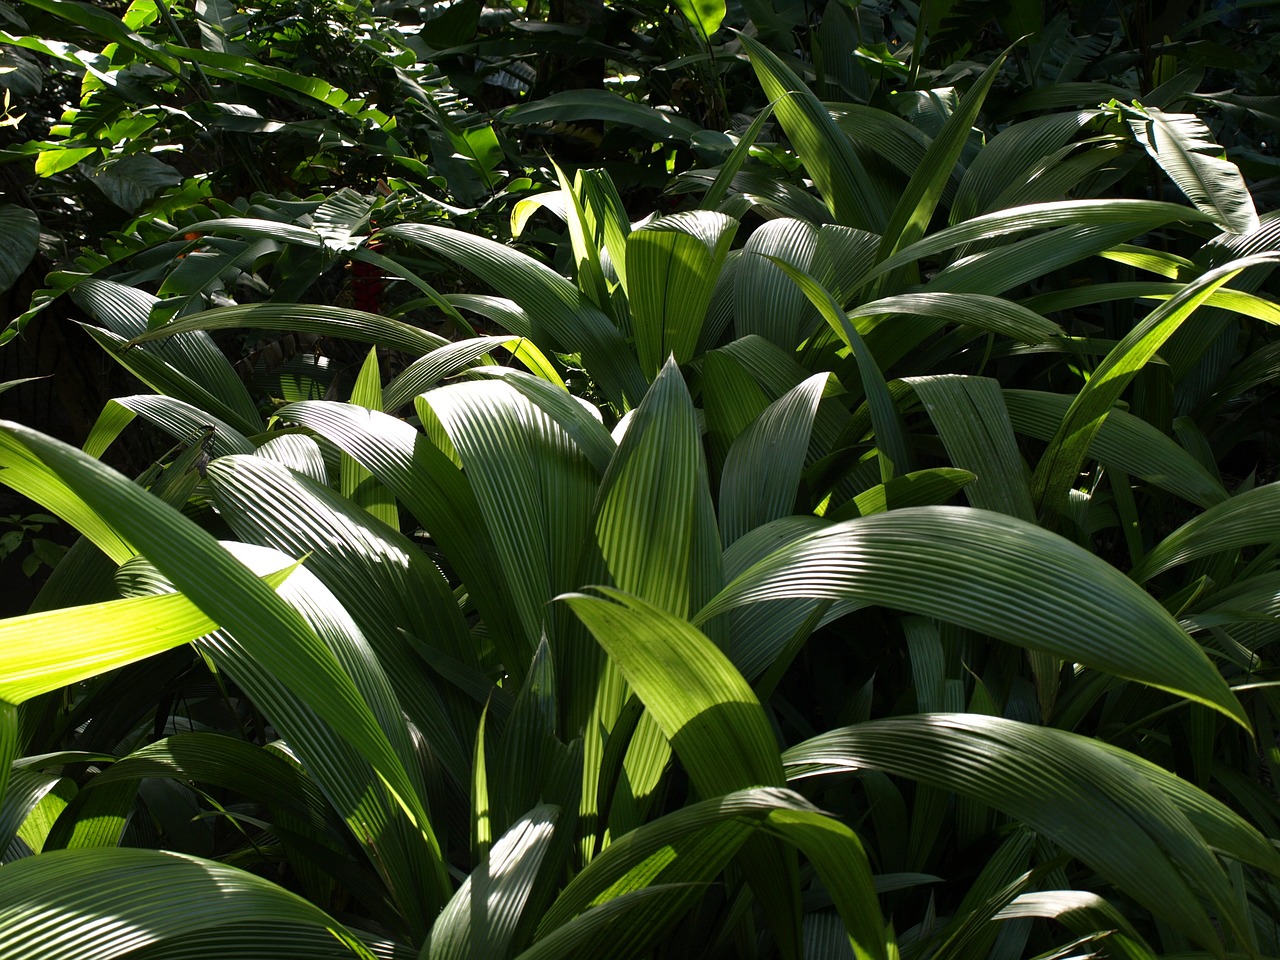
(997, 575)
(1064, 786)
(1184, 148)
(19, 235)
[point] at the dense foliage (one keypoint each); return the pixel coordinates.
(645, 479)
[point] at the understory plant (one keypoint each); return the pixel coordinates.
(873, 555)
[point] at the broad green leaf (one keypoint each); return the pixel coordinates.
(28, 475)
(765, 303)
(387, 585)
(533, 488)
(672, 267)
(327, 321)
(711, 717)
(997, 575)
(916, 206)
(19, 235)
(1246, 519)
(825, 151)
(655, 522)
(279, 639)
(40, 652)
(110, 28)
(894, 451)
(1184, 148)
(1123, 441)
(706, 15)
(1139, 215)
(432, 487)
(762, 470)
(354, 481)
(562, 318)
(971, 419)
(1063, 785)
(481, 918)
(102, 904)
(1056, 473)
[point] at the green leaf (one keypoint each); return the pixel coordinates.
(1123, 441)
(971, 419)
(604, 105)
(762, 470)
(481, 918)
(655, 522)
(706, 15)
(916, 206)
(1064, 786)
(19, 239)
(672, 267)
(825, 151)
(102, 904)
(1246, 519)
(711, 717)
(131, 181)
(1184, 148)
(279, 639)
(562, 318)
(1059, 466)
(46, 651)
(1000, 576)
(110, 28)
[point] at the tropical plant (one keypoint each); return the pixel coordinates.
(876, 558)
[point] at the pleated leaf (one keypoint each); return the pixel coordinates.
(320, 319)
(1059, 466)
(1061, 784)
(101, 904)
(562, 318)
(1247, 519)
(1124, 441)
(712, 719)
(972, 421)
(46, 651)
(1184, 148)
(672, 267)
(827, 154)
(481, 918)
(762, 471)
(654, 521)
(997, 575)
(765, 302)
(276, 635)
(533, 488)
(916, 206)
(432, 487)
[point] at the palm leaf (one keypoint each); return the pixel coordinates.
(1064, 786)
(997, 575)
(101, 904)
(1184, 148)
(1060, 464)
